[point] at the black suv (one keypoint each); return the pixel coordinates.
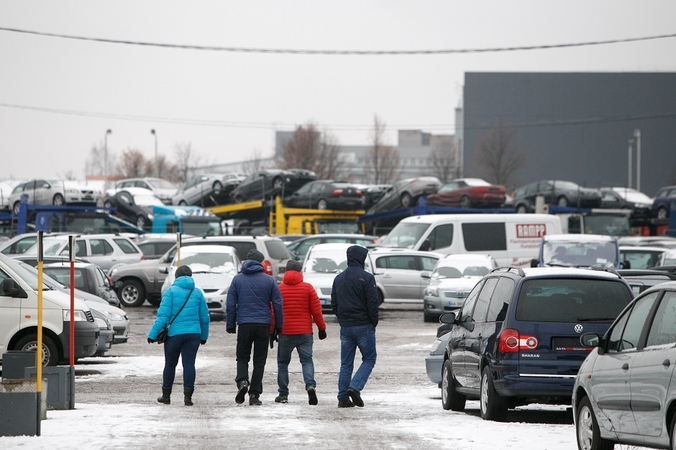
(516, 340)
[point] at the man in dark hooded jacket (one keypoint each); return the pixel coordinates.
(354, 300)
(252, 297)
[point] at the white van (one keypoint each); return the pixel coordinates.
(512, 239)
(19, 317)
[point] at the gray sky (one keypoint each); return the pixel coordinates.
(240, 99)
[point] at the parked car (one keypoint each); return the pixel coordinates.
(515, 341)
(18, 244)
(53, 192)
(300, 247)
(163, 189)
(647, 257)
(88, 277)
(6, 188)
(435, 360)
(143, 280)
(648, 241)
(555, 192)
(642, 279)
(578, 250)
(661, 207)
(106, 333)
(213, 268)
(624, 391)
(199, 189)
(398, 274)
(154, 245)
(327, 194)
(134, 205)
(405, 193)
(372, 193)
(104, 250)
(266, 182)
(468, 193)
(451, 280)
(627, 198)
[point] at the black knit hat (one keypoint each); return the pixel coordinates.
(255, 255)
(183, 271)
(292, 264)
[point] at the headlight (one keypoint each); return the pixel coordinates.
(115, 316)
(102, 323)
(435, 346)
(432, 291)
(72, 191)
(150, 217)
(78, 315)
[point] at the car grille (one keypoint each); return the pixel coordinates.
(456, 294)
(209, 291)
(326, 291)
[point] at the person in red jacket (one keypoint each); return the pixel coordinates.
(301, 307)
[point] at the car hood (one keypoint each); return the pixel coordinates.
(319, 280)
(212, 280)
(133, 267)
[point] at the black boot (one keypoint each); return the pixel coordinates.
(166, 393)
(187, 396)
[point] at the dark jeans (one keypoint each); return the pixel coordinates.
(303, 345)
(258, 336)
(185, 346)
(362, 337)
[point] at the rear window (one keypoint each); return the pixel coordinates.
(277, 249)
(571, 300)
(126, 246)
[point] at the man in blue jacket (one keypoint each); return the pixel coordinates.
(354, 300)
(252, 297)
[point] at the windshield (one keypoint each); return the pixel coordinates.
(458, 269)
(50, 246)
(579, 254)
(404, 235)
(30, 278)
(202, 228)
(208, 263)
(611, 225)
(329, 261)
(162, 184)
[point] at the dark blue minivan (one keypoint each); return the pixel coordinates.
(516, 340)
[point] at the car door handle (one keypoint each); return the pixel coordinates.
(625, 366)
(666, 363)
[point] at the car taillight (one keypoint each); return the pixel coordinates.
(267, 267)
(357, 193)
(512, 342)
(481, 190)
(337, 192)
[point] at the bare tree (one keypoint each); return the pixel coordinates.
(67, 175)
(311, 150)
(254, 164)
(162, 168)
(382, 162)
(443, 158)
(95, 163)
(132, 164)
(498, 157)
(186, 161)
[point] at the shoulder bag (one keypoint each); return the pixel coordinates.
(164, 332)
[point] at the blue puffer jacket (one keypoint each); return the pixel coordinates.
(354, 298)
(250, 295)
(193, 319)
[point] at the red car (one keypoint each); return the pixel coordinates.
(468, 193)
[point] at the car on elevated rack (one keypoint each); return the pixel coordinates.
(134, 205)
(267, 182)
(327, 194)
(555, 192)
(163, 189)
(405, 193)
(206, 189)
(662, 202)
(516, 339)
(468, 193)
(627, 198)
(54, 192)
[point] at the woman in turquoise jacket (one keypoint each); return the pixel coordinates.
(189, 329)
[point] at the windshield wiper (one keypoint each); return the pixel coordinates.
(553, 264)
(595, 319)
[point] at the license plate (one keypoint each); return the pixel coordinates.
(326, 301)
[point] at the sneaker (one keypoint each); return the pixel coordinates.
(311, 395)
(243, 387)
(282, 398)
(345, 402)
(254, 401)
(355, 396)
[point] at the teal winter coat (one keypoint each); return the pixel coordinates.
(193, 319)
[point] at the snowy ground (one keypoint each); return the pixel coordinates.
(116, 408)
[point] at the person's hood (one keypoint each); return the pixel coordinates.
(251, 266)
(185, 282)
(292, 277)
(356, 255)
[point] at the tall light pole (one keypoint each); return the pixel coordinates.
(637, 135)
(105, 158)
(629, 181)
(157, 169)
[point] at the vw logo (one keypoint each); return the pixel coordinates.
(578, 328)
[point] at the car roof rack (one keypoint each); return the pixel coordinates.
(516, 269)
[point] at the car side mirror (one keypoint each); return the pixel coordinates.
(590, 340)
(448, 318)
(9, 286)
(625, 265)
(163, 269)
(534, 262)
(426, 274)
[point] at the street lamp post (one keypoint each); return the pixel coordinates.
(105, 158)
(637, 135)
(156, 163)
(629, 181)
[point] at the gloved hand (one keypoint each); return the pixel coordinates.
(322, 334)
(203, 342)
(230, 330)
(150, 341)
(274, 337)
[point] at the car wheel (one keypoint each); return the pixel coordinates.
(587, 429)
(15, 208)
(238, 199)
(50, 353)
(182, 203)
(662, 213)
(450, 398)
(322, 204)
(58, 200)
(562, 201)
(465, 202)
(521, 209)
(493, 407)
(107, 204)
(132, 293)
(217, 187)
(381, 297)
(277, 183)
(141, 222)
(406, 200)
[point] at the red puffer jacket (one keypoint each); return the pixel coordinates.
(301, 305)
